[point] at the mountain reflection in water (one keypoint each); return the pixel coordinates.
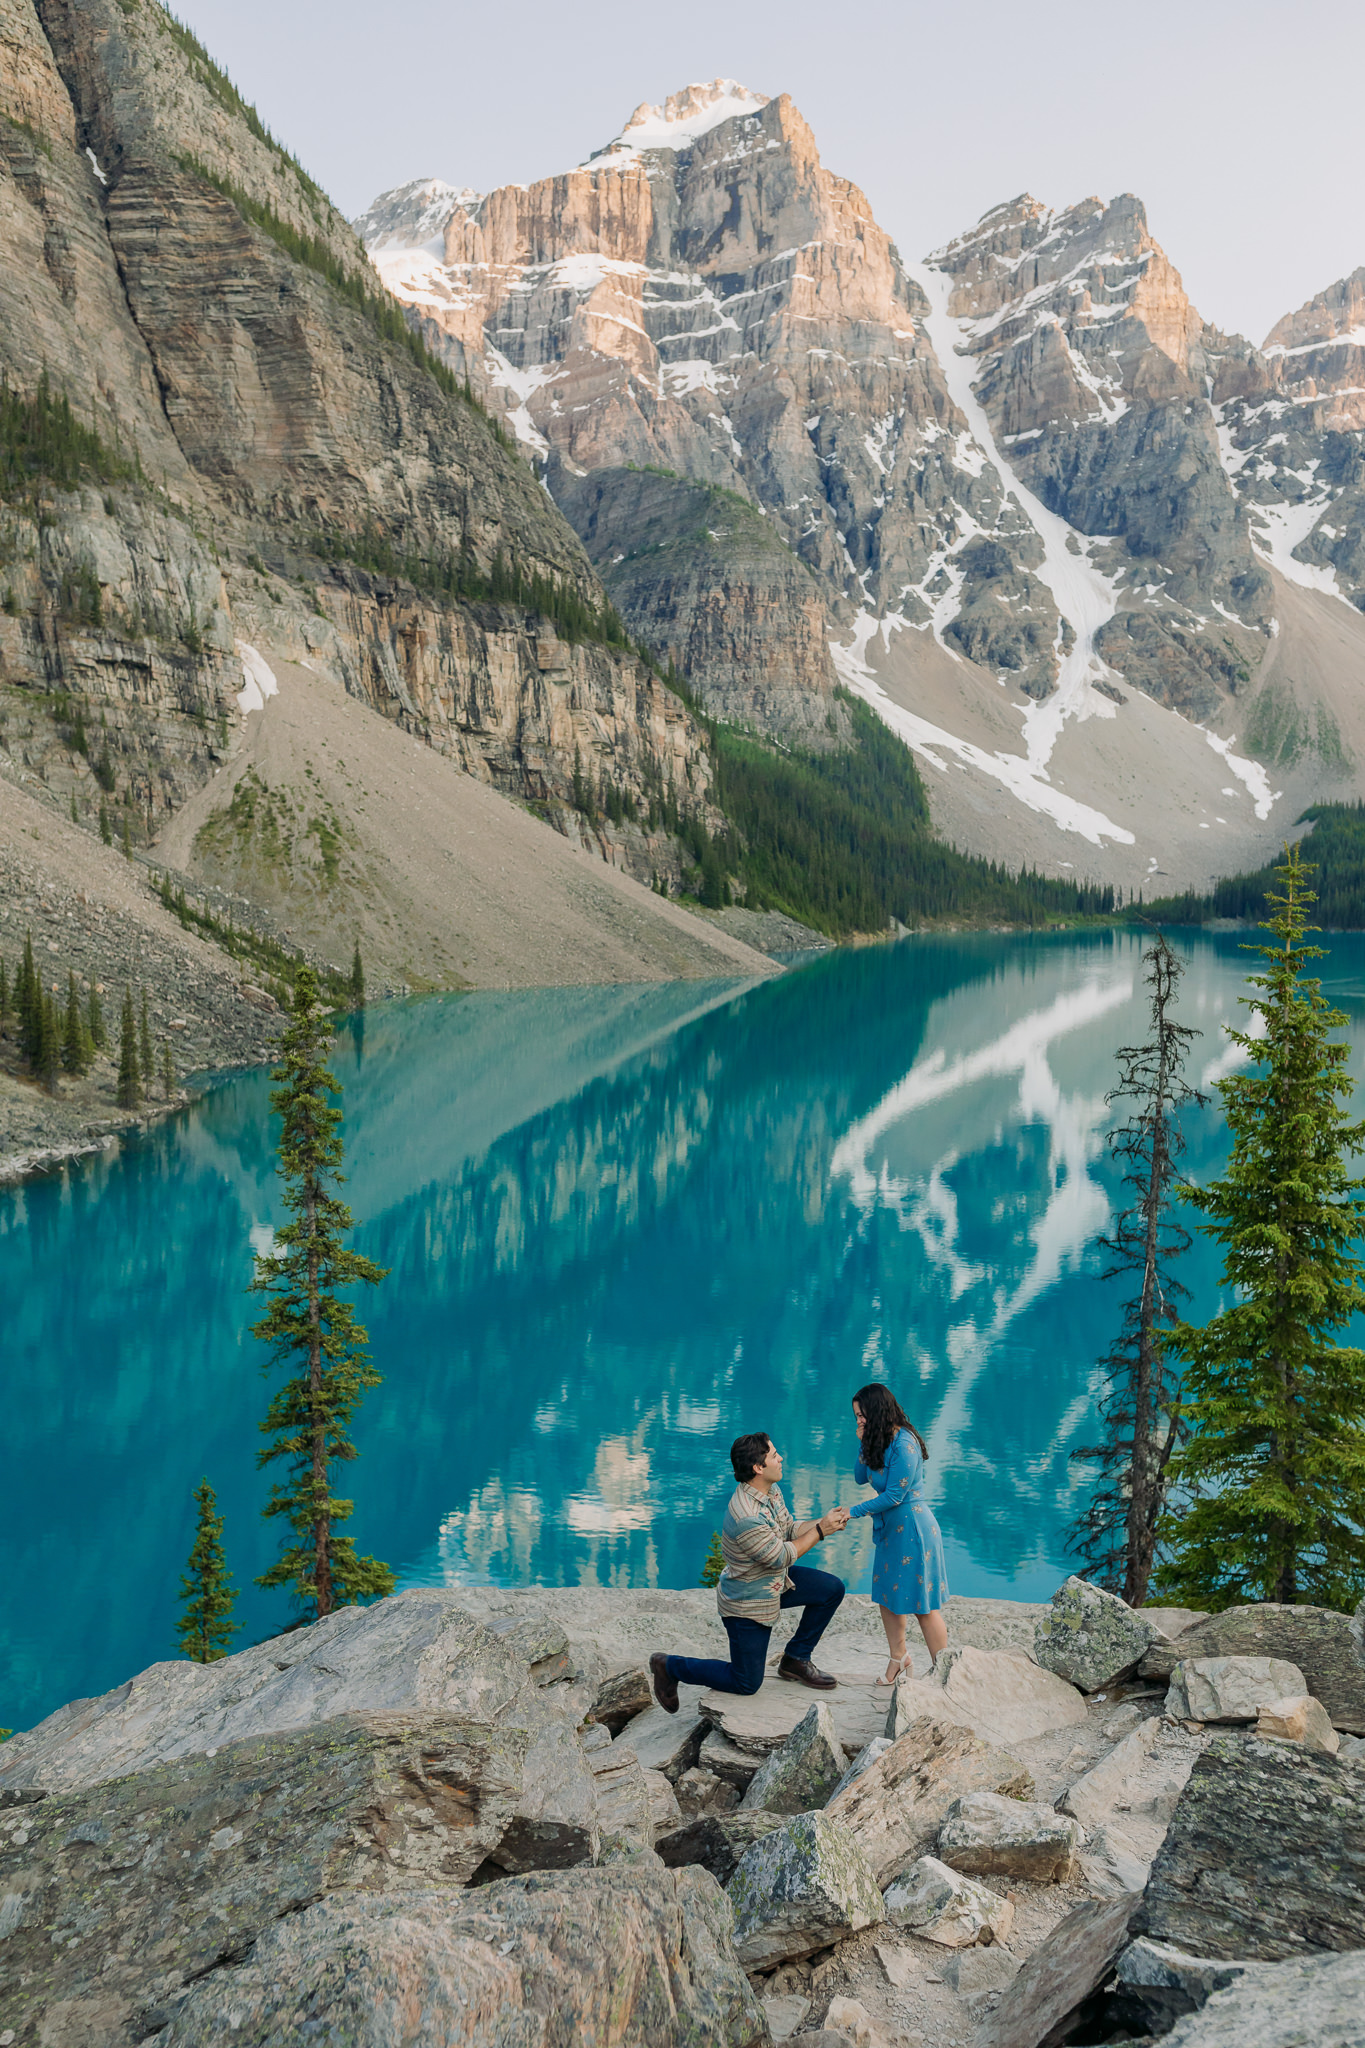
(622, 1225)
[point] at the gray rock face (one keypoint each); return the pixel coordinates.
(1314, 2003)
(800, 1888)
(727, 1761)
(940, 1903)
(804, 1772)
(621, 1698)
(1265, 1858)
(984, 1835)
(1058, 1977)
(1158, 1984)
(1003, 1696)
(868, 1754)
(642, 1957)
(119, 1895)
(716, 1841)
(1229, 1688)
(1090, 1638)
(896, 1808)
(1324, 1645)
(416, 1653)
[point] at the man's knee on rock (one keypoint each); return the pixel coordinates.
(751, 1681)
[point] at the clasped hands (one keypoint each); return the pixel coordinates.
(836, 1518)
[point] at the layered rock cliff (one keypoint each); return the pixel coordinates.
(1053, 523)
(262, 455)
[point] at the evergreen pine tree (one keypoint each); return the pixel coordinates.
(105, 833)
(714, 1563)
(75, 814)
(94, 1021)
(1140, 1408)
(4, 995)
(127, 841)
(167, 1070)
(357, 990)
(309, 1325)
(145, 1059)
(129, 1093)
(48, 1063)
(1274, 1465)
(205, 1628)
(29, 1004)
(75, 1046)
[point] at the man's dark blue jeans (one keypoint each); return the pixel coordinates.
(818, 1592)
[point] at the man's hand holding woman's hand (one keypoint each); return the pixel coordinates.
(836, 1518)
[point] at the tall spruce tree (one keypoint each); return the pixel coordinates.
(167, 1070)
(1140, 1408)
(311, 1327)
(1273, 1471)
(76, 1048)
(29, 1004)
(144, 1045)
(357, 988)
(47, 1063)
(129, 1091)
(94, 1021)
(206, 1627)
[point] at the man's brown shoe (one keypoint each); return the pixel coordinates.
(801, 1671)
(665, 1688)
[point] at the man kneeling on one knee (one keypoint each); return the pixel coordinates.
(760, 1542)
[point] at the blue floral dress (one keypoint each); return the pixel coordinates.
(908, 1572)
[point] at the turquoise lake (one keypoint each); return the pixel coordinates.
(622, 1225)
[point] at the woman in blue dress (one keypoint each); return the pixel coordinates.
(908, 1572)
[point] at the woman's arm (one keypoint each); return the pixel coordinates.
(866, 1478)
(899, 1476)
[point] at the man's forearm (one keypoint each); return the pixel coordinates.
(806, 1535)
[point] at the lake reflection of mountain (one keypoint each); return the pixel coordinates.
(622, 1225)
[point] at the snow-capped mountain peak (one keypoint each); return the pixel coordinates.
(414, 216)
(683, 117)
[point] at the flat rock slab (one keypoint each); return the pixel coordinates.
(1058, 1977)
(118, 1896)
(667, 1742)
(1142, 1778)
(1314, 2003)
(1089, 1637)
(1326, 1647)
(1265, 1858)
(940, 1904)
(896, 1808)
(802, 1887)
(761, 1722)
(1004, 1697)
(639, 1957)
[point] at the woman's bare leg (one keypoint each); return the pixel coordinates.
(894, 1624)
(934, 1630)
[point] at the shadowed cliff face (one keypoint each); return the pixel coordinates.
(271, 441)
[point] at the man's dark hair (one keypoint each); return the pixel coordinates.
(748, 1451)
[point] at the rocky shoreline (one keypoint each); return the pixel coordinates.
(458, 1817)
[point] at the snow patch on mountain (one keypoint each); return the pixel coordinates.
(1084, 594)
(684, 115)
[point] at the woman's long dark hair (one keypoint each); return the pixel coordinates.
(882, 1417)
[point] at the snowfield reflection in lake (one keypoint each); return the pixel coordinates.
(622, 1225)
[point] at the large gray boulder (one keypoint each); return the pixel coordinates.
(1298, 1718)
(1063, 1972)
(716, 1841)
(641, 1957)
(804, 1772)
(1155, 1984)
(1327, 1647)
(1141, 1779)
(867, 1755)
(897, 1806)
(1229, 1688)
(621, 1697)
(1090, 1637)
(1315, 2002)
(940, 1904)
(802, 1887)
(117, 1896)
(1265, 1857)
(418, 1653)
(985, 1835)
(1004, 1696)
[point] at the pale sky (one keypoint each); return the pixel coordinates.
(1239, 125)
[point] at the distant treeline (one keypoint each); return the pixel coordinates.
(843, 840)
(41, 437)
(1336, 848)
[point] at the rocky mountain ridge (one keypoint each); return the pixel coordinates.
(257, 455)
(1096, 560)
